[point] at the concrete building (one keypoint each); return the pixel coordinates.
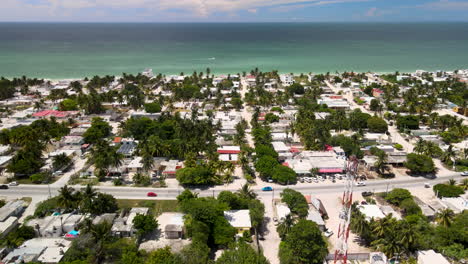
(175, 230)
(8, 225)
(12, 208)
(316, 217)
(282, 211)
(324, 161)
(55, 225)
(371, 211)
(45, 250)
(123, 226)
(431, 257)
(239, 219)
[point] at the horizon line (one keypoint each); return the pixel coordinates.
(231, 22)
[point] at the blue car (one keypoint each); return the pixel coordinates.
(267, 189)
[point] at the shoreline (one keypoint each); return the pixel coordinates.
(56, 79)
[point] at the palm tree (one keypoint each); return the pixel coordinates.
(381, 161)
(464, 184)
(445, 217)
(246, 192)
(420, 146)
(60, 161)
(147, 161)
(285, 227)
(87, 196)
(390, 248)
(66, 198)
(452, 182)
(383, 225)
(408, 236)
(448, 155)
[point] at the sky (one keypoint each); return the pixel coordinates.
(233, 10)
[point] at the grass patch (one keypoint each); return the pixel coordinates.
(157, 207)
(26, 199)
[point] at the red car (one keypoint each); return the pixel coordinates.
(151, 194)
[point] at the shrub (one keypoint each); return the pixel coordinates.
(445, 190)
(398, 146)
(283, 174)
(295, 201)
(398, 195)
(410, 207)
(377, 125)
(419, 164)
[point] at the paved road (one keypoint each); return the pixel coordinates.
(171, 193)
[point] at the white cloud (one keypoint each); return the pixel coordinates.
(201, 8)
(372, 12)
(294, 6)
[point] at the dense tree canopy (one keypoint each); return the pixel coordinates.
(304, 244)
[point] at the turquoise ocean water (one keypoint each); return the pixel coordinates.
(73, 50)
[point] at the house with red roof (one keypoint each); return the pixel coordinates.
(55, 113)
(377, 92)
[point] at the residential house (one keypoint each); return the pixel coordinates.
(431, 257)
(239, 219)
(287, 79)
(44, 250)
(123, 225)
(371, 211)
(11, 208)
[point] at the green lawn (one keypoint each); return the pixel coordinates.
(157, 206)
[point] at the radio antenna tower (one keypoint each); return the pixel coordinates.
(341, 251)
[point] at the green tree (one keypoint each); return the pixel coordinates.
(99, 130)
(67, 198)
(153, 107)
(375, 105)
(445, 217)
(265, 166)
(144, 224)
(68, 105)
(199, 175)
(303, 244)
(398, 195)
(295, 201)
(285, 226)
(162, 256)
(377, 125)
(447, 190)
(61, 161)
(241, 253)
(283, 174)
(223, 232)
(419, 164)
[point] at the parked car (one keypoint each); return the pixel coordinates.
(151, 194)
(267, 189)
(328, 233)
(464, 173)
(360, 183)
(367, 194)
(427, 185)
(13, 183)
(3, 186)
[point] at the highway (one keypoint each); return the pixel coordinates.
(42, 191)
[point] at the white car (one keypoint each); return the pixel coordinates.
(328, 233)
(13, 183)
(360, 183)
(464, 173)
